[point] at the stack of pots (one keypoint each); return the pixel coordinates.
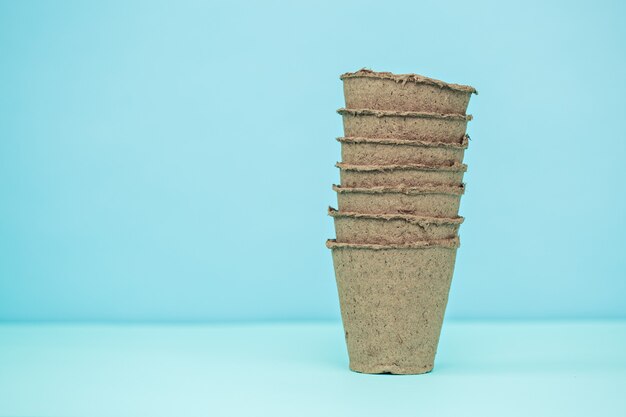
(401, 181)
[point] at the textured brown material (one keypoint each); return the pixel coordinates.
(400, 151)
(393, 300)
(367, 89)
(426, 200)
(397, 175)
(407, 78)
(448, 128)
(389, 229)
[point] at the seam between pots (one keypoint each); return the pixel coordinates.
(452, 243)
(423, 189)
(389, 113)
(409, 218)
(455, 167)
(407, 142)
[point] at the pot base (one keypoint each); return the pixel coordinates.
(391, 369)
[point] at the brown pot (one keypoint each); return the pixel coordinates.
(425, 200)
(390, 229)
(393, 299)
(367, 89)
(373, 151)
(400, 175)
(433, 127)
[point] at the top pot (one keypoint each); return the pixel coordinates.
(367, 89)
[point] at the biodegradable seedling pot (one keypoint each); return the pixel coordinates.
(372, 151)
(397, 175)
(389, 229)
(425, 200)
(367, 89)
(393, 299)
(434, 127)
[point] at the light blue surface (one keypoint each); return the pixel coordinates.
(482, 369)
(173, 160)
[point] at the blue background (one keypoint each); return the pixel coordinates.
(174, 161)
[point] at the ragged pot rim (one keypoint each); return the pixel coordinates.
(450, 243)
(453, 167)
(414, 114)
(408, 78)
(409, 218)
(406, 142)
(408, 190)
